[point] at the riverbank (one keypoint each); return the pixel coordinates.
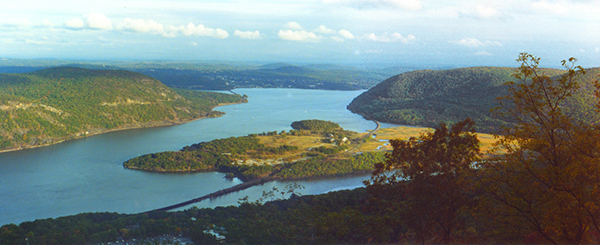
(98, 131)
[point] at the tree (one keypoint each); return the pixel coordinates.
(548, 180)
(429, 175)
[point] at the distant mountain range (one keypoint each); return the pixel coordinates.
(228, 75)
(277, 75)
(52, 105)
(427, 97)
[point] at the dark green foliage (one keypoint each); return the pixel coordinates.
(427, 97)
(232, 145)
(322, 165)
(328, 129)
(330, 150)
(221, 155)
(317, 126)
(330, 218)
(218, 155)
(56, 104)
(177, 161)
(93, 228)
(547, 182)
(429, 172)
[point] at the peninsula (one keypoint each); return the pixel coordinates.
(53, 105)
(313, 148)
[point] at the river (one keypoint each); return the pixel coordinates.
(86, 175)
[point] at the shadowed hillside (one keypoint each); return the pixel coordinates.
(427, 97)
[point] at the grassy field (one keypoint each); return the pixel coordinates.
(405, 132)
(377, 143)
(303, 142)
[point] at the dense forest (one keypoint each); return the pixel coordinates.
(55, 104)
(322, 219)
(283, 157)
(426, 97)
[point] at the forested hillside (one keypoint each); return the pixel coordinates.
(427, 97)
(56, 104)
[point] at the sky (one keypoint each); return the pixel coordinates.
(404, 32)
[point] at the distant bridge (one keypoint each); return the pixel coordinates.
(219, 193)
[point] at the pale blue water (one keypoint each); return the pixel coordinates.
(87, 175)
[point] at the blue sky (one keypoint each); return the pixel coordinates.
(463, 32)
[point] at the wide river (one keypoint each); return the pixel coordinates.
(87, 175)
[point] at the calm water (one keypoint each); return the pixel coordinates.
(87, 175)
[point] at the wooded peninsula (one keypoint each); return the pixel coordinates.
(49, 106)
(313, 148)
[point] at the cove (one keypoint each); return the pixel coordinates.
(86, 175)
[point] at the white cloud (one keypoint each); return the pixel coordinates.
(474, 43)
(397, 37)
(366, 4)
(247, 34)
(98, 21)
(75, 23)
(139, 25)
(482, 53)
(301, 36)
(200, 30)
(324, 30)
(346, 34)
(394, 37)
(597, 49)
(292, 25)
(94, 21)
(295, 32)
(153, 27)
(486, 11)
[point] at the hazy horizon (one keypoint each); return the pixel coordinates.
(415, 32)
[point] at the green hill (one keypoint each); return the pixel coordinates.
(56, 104)
(426, 97)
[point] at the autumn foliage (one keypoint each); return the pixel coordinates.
(547, 183)
(544, 189)
(429, 176)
